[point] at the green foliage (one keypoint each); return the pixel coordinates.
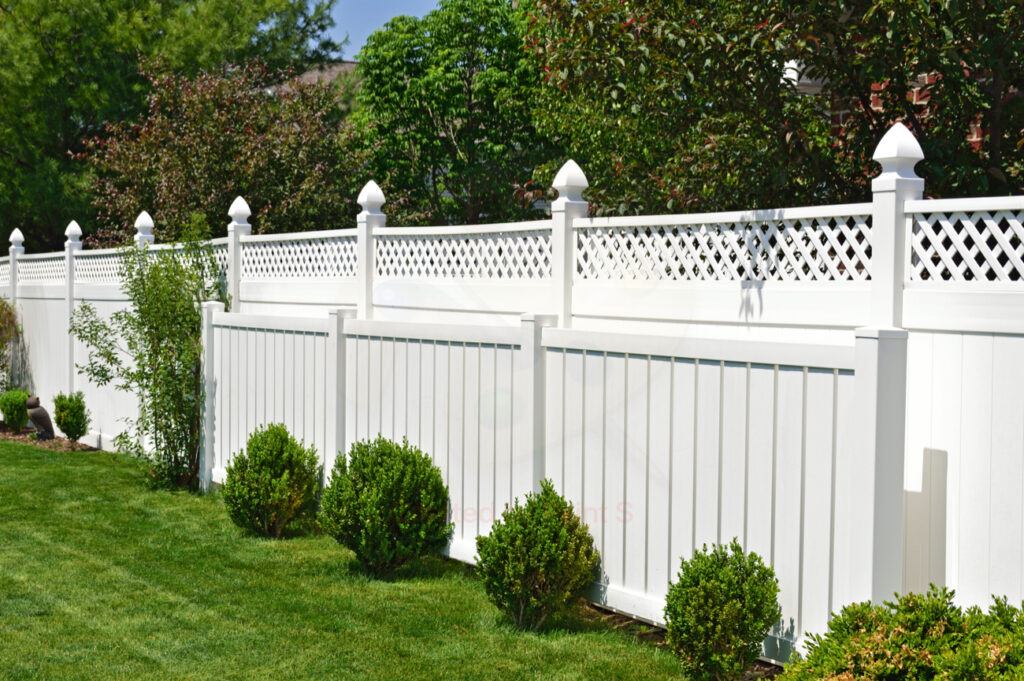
(448, 99)
(719, 610)
(272, 482)
(673, 106)
(69, 68)
(919, 636)
(70, 415)
(538, 558)
(12, 406)
(152, 349)
(10, 330)
(387, 503)
(207, 139)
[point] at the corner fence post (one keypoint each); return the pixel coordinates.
(897, 152)
(17, 250)
(529, 400)
(73, 244)
(238, 227)
(880, 370)
(371, 198)
(570, 183)
(207, 446)
(336, 381)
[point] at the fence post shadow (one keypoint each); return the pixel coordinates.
(924, 526)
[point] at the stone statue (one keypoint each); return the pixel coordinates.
(40, 419)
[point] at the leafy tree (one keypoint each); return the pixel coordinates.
(153, 349)
(207, 139)
(687, 106)
(69, 68)
(449, 100)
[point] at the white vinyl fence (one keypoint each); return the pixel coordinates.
(837, 387)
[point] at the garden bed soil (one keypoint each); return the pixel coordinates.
(655, 636)
(57, 444)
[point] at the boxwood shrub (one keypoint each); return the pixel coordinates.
(387, 503)
(70, 414)
(538, 559)
(12, 406)
(719, 611)
(272, 482)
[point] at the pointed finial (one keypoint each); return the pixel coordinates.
(73, 231)
(239, 210)
(570, 182)
(17, 238)
(897, 152)
(371, 198)
(144, 229)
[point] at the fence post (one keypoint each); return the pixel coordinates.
(570, 183)
(74, 243)
(897, 152)
(238, 227)
(336, 354)
(17, 249)
(144, 230)
(529, 398)
(880, 368)
(371, 198)
(207, 451)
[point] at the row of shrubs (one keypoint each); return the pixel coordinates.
(388, 503)
(69, 412)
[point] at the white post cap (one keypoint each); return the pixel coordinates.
(144, 228)
(73, 233)
(17, 238)
(897, 152)
(239, 210)
(371, 198)
(570, 182)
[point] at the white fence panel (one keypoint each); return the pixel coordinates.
(666, 449)
(268, 370)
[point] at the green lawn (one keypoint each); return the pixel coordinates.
(101, 578)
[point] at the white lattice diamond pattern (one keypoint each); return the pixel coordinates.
(101, 269)
(499, 255)
(5, 271)
(220, 255)
(330, 258)
(812, 249)
(981, 246)
(47, 270)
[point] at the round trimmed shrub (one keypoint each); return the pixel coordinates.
(720, 610)
(272, 482)
(70, 414)
(12, 406)
(538, 559)
(387, 503)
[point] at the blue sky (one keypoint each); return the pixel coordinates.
(360, 18)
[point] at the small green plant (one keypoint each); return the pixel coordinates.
(71, 415)
(387, 503)
(272, 482)
(919, 636)
(538, 558)
(12, 406)
(719, 611)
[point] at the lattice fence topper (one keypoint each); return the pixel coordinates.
(47, 270)
(976, 246)
(490, 255)
(310, 257)
(220, 254)
(5, 271)
(799, 249)
(97, 267)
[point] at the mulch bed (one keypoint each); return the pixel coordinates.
(57, 444)
(655, 636)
